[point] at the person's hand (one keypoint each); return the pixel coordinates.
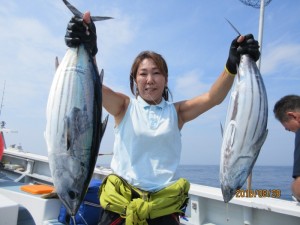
(241, 45)
(82, 31)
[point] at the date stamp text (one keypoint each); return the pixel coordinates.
(258, 193)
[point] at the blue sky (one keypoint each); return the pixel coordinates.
(194, 38)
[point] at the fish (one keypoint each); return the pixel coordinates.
(245, 128)
(74, 127)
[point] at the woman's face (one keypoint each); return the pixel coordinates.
(150, 82)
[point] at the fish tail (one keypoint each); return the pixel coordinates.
(77, 13)
(72, 8)
(235, 29)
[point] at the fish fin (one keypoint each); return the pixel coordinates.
(72, 126)
(222, 131)
(104, 123)
(101, 75)
(67, 132)
(230, 133)
(56, 63)
(50, 195)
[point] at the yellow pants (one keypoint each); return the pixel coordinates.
(136, 206)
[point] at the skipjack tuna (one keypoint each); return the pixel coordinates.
(245, 128)
(74, 126)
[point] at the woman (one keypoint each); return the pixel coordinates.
(147, 144)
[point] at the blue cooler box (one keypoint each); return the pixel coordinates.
(89, 211)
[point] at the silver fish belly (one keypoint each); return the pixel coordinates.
(74, 128)
(245, 128)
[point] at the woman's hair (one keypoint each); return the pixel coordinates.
(160, 63)
(285, 104)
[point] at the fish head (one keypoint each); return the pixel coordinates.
(227, 193)
(70, 179)
(71, 198)
(232, 181)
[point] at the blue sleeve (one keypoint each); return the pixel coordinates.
(296, 168)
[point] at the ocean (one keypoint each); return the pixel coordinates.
(274, 178)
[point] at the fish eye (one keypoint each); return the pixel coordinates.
(72, 194)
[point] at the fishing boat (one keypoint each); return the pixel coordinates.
(205, 207)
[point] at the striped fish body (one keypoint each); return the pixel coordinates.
(245, 128)
(74, 129)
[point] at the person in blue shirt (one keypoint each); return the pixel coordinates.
(287, 111)
(147, 143)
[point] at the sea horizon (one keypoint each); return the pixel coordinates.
(264, 177)
(271, 178)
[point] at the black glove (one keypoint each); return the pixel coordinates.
(248, 46)
(80, 33)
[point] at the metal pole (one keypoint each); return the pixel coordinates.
(260, 37)
(260, 29)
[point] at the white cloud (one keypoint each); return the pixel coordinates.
(282, 56)
(189, 85)
(116, 32)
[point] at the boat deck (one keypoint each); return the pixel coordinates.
(32, 209)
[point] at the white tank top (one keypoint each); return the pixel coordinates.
(147, 145)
